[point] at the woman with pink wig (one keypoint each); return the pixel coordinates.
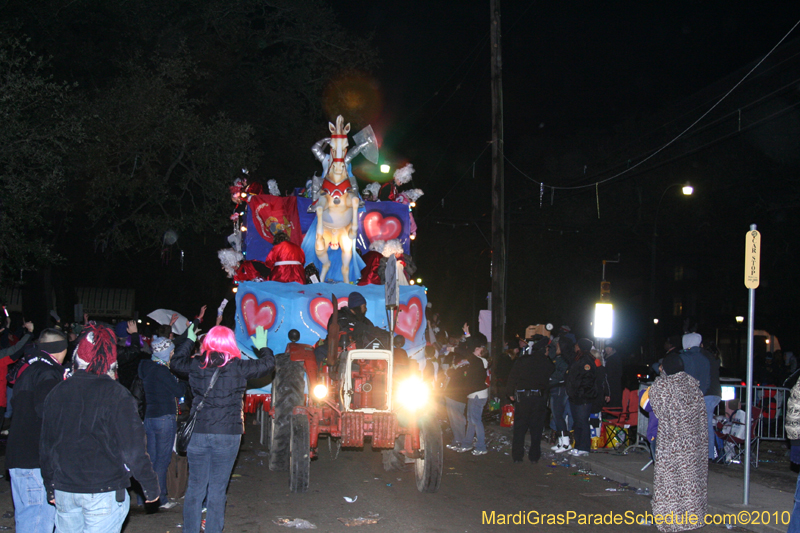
(220, 423)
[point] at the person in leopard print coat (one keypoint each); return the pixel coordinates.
(681, 468)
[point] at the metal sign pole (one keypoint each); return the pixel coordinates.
(751, 280)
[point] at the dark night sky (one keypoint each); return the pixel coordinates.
(569, 68)
(590, 88)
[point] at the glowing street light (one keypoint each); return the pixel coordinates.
(385, 168)
(687, 189)
(603, 320)
(739, 319)
(655, 321)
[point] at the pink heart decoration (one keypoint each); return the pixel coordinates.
(256, 314)
(409, 318)
(377, 227)
(321, 310)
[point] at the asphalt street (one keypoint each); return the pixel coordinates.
(471, 489)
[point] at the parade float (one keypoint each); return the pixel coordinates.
(348, 395)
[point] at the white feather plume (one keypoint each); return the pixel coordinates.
(377, 246)
(373, 188)
(412, 194)
(272, 185)
(392, 247)
(403, 175)
(230, 260)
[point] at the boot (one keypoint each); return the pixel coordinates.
(558, 442)
(564, 445)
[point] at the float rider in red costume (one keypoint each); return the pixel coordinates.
(286, 260)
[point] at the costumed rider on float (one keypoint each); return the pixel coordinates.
(286, 260)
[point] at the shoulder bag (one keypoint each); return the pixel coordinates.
(185, 430)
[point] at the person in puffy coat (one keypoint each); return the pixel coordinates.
(220, 424)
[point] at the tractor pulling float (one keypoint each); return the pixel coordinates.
(353, 396)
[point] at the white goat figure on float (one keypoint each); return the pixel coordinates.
(336, 199)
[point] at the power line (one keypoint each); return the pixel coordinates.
(668, 144)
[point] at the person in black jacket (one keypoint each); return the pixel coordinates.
(582, 392)
(219, 425)
(33, 383)
(93, 440)
(613, 363)
(161, 390)
(527, 387)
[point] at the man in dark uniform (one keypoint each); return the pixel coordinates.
(528, 388)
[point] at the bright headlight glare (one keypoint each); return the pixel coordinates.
(320, 391)
(413, 394)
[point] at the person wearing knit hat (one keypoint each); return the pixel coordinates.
(582, 391)
(92, 439)
(355, 300)
(681, 454)
(162, 349)
(353, 321)
(161, 390)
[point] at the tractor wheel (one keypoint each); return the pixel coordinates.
(287, 393)
(428, 469)
(394, 460)
(299, 454)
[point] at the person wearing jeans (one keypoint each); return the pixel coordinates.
(41, 370)
(93, 441)
(211, 459)
(219, 421)
(476, 400)
(161, 390)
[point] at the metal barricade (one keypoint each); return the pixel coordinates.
(771, 401)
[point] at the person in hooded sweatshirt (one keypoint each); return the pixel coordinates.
(161, 390)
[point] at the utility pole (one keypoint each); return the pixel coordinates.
(498, 193)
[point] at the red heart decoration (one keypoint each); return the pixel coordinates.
(409, 318)
(256, 314)
(377, 227)
(321, 310)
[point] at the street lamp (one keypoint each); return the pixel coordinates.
(687, 190)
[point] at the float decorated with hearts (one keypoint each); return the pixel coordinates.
(306, 216)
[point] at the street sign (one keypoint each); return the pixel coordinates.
(752, 259)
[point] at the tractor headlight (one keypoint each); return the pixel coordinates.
(413, 394)
(320, 391)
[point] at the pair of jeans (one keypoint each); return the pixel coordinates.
(475, 424)
(711, 403)
(211, 459)
(455, 413)
(529, 415)
(90, 513)
(32, 512)
(160, 439)
(559, 405)
(580, 417)
(794, 521)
